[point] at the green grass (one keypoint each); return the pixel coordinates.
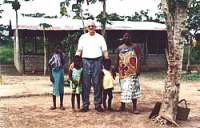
(157, 75)
(154, 75)
(191, 76)
(6, 54)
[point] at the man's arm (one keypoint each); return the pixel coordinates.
(106, 54)
(78, 52)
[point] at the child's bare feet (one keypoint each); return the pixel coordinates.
(136, 111)
(78, 110)
(62, 108)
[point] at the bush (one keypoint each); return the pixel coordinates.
(6, 54)
(191, 76)
(195, 57)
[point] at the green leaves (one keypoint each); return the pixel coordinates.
(45, 25)
(63, 8)
(16, 5)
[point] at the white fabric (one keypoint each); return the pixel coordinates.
(92, 46)
(107, 79)
(55, 60)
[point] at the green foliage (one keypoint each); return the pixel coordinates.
(45, 25)
(195, 57)
(115, 17)
(38, 15)
(63, 8)
(103, 20)
(1, 11)
(172, 4)
(193, 20)
(191, 76)
(16, 5)
(155, 74)
(4, 37)
(70, 43)
(6, 53)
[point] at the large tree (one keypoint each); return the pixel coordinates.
(44, 27)
(16, 6)
(176, 15)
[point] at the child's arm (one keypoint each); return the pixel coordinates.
(70, 74)
(113, 72)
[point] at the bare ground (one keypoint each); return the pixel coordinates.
(33, 112)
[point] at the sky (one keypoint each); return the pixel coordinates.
(52, 7)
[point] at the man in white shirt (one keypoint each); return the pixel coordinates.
(92, 48)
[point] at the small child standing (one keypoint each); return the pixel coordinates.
(107, 82)
(75, 75)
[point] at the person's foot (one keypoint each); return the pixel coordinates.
(84, 110)
(78, 110)
(73, 110)
(110, 109)
(62, 108)
(136, 111)
(121, 109)
(99, 109)
(52, 108)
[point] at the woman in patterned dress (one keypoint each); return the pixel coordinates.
(128, 66)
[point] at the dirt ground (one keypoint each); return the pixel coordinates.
(33, 112)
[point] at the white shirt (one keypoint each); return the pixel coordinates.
(92, 46)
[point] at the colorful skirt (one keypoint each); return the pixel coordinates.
(58, 85)
(130, 89)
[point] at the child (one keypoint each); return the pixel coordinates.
(75, 75)
(107, 82)
(56, 64)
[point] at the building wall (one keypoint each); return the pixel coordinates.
(150, 60)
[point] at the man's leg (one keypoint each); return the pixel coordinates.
(96, 67)
(86, 84)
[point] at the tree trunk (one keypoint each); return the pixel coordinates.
(103, 32)
(17, 59)
(175, 27)
(82, 19)
(188, 69)
(45, 53)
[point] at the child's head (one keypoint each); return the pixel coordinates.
(77, 61)
(107, 64)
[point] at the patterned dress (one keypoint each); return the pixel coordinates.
(129, 81)
(76, 86)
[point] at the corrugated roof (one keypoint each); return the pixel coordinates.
(30, 23)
